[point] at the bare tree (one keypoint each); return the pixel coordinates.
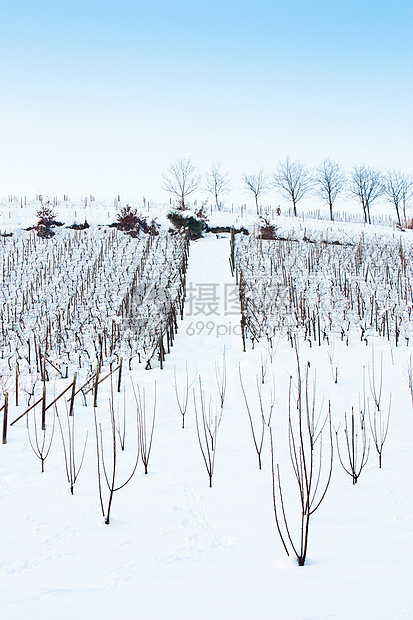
(181, 180)
(396, 190)
(183, 402)
(68, 440)
(357, 448)
(258, 438)
(221, 377)
(311, 457)
(294, 181)
(366, 184)
(258, 184)
(333, 365)
(407, 193)
(217, 183)
(107, 466)
(145, 442)
(379, 426)
(207, 429)
(39, 443)
(376, 383)
(330, 181)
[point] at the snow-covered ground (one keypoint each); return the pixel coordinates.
(176, 548)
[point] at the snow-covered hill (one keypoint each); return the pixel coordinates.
(176, 548)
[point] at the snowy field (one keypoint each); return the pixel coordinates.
(176, 547)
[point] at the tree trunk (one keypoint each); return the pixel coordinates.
(331, 210)
(398, 215)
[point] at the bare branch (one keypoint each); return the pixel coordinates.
(221, 378)
(207, 434)
(183, 401)
(356, 446)
(145, 443)
(379, 427)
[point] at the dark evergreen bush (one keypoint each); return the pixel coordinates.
(79, 226)
(46, 216)
(188, 224)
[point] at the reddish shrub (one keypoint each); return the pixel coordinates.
(267, 230)
(127, 218)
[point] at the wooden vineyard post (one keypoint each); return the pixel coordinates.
(232, 252)
(168, 336)
(182, 296)
(5, 414)
(95, 397)
(243, 333)
(161, 349)
(41, 400)
(120, 373)
(17, 386)
(72, 397)
(44, 409)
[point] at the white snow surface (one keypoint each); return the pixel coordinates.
(177, 549)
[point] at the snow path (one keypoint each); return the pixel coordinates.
(176, 549)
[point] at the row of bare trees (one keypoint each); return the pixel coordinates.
(182, 179)
(295, 181)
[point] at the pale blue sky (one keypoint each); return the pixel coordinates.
(98, 96)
